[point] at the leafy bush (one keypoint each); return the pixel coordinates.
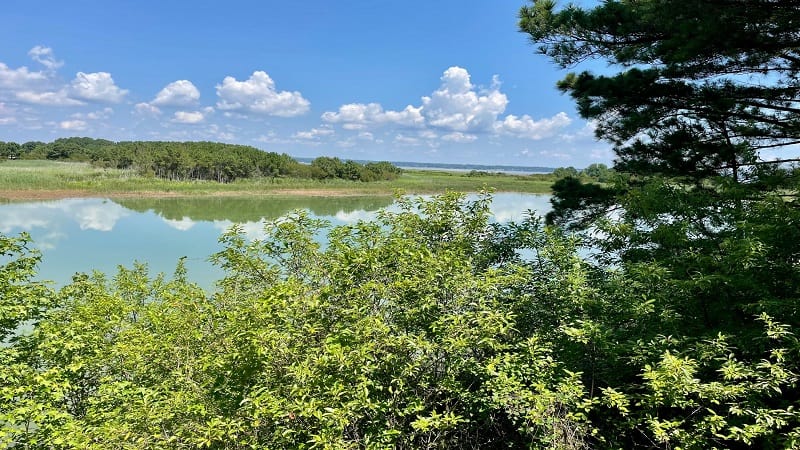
(430, 327)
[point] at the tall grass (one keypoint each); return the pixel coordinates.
(27, 176)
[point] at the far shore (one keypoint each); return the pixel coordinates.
(37, 180)
(59, 194)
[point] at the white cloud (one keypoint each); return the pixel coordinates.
(76, 125)
(459, 137)
(428, 134)
(45, 57)
(358, 116)
(457, 106)
(97, 86)
(216, 133)
(458, 109)
(177, 93)
(105, 113)
(7, 114)
(189, 117)
(272, 138)
(49, 98)
(259, 95)
(44, 88)
(27, 82)
(526, 127)
(401, 139)
(146, 109)
(314, 133)
(20, 78)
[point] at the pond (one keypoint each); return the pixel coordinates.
(85, 234)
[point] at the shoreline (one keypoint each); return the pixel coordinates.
(22, 195)
(35, 180)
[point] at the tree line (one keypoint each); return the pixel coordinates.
(195, 160)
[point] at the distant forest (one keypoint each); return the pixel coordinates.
(196, 160)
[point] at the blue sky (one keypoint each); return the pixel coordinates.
(432, 81)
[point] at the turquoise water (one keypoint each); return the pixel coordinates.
(85, 234)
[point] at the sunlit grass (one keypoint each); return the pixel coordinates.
(29, 176)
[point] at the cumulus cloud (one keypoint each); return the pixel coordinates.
(44, 88)
(49, 98)
(259, 95)
(45, 57)
(19, 78)
(36, 87)
(146, 109)
(190, 117)
(458, 109)
(527, 127)
(457, 106)
(314, 133)
(74, 125)
(177, 93)
(359, 116)
(97, 87)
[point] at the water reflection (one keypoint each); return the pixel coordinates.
(89, 214)
(239, 210)
(80, 235)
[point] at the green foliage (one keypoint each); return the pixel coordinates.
(399, 333)
(22, 300)
(564, 172)
(430, 327)
(599, 172)
(9, 150)
(326, 168)
(685, 102)
(195, 160)
(701, 228)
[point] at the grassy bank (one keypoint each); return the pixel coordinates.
(21, 179)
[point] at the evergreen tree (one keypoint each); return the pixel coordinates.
(699, 100)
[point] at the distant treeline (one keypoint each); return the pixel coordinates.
(195, 160)
(595, 172)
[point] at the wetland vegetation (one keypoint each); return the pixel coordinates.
(31, 179)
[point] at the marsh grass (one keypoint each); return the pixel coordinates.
(22, 176)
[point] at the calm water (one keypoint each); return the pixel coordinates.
(81, 235)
